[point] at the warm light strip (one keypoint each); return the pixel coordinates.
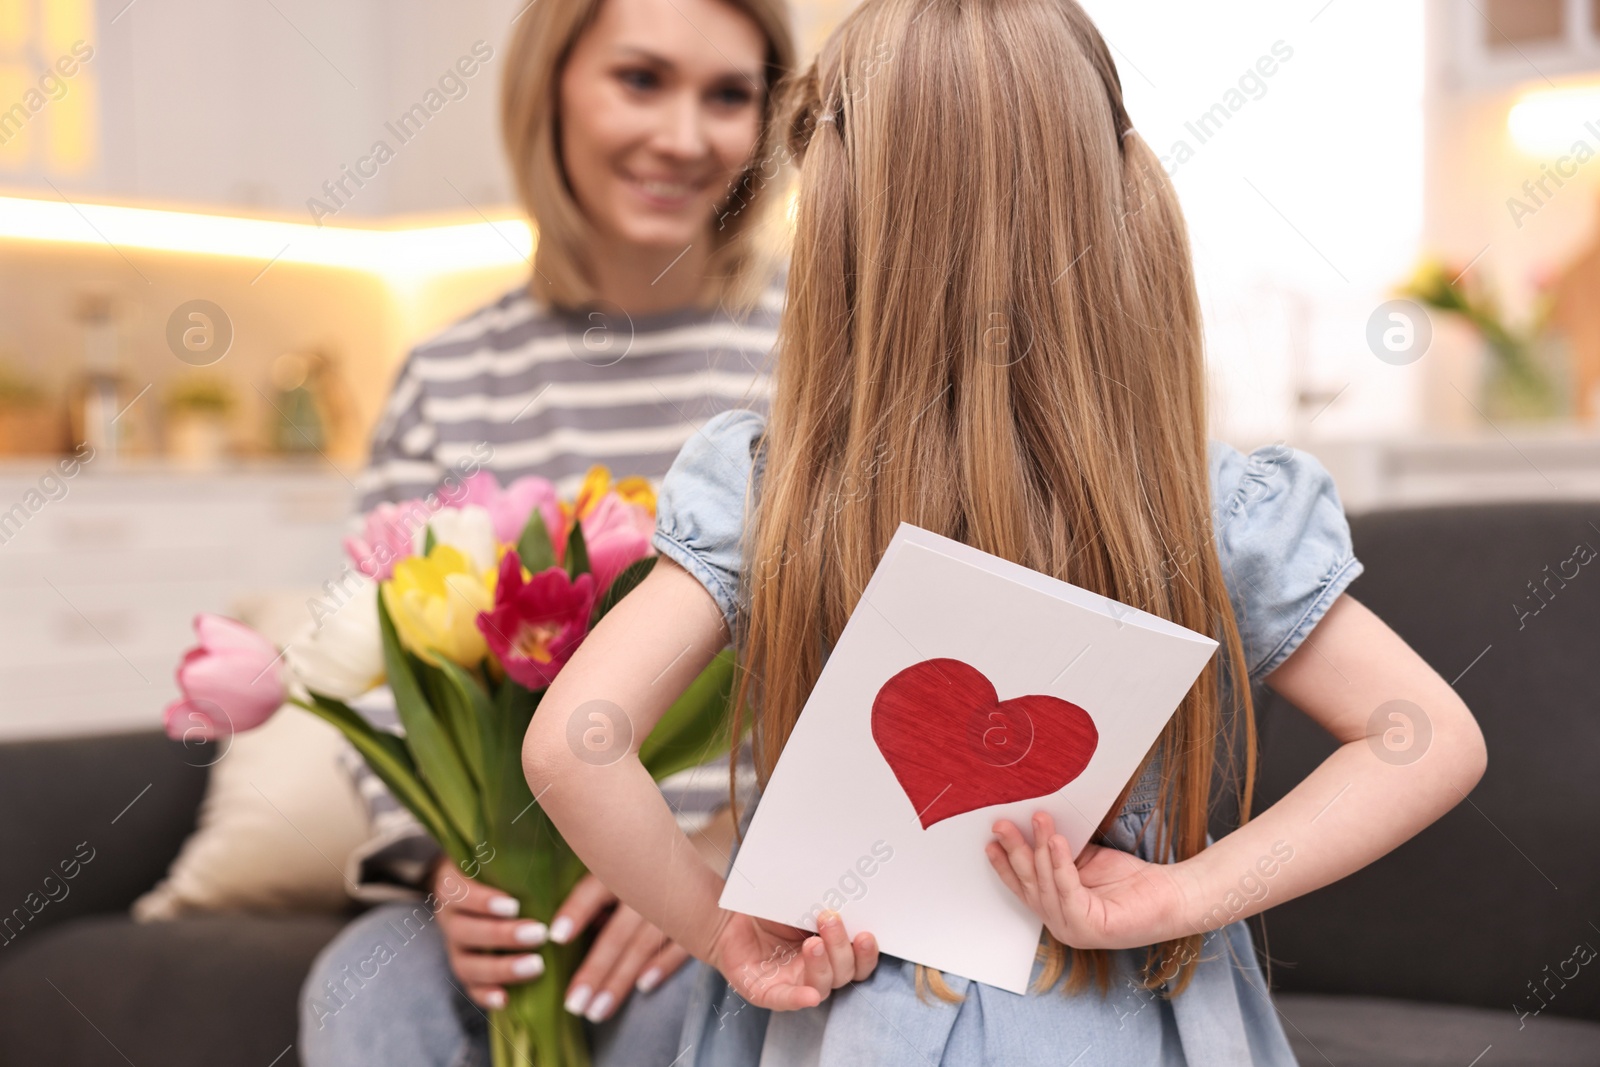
(401, 254)
(1553, 122)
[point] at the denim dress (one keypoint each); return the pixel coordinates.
(1286, 555)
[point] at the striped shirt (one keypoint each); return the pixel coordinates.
(520, 388)
(550, 392)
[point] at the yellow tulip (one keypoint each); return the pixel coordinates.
(435, 601)
(636, 490)
(597, 483)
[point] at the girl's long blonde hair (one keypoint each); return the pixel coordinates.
(992, 332)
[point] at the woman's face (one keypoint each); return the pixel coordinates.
(661, 104)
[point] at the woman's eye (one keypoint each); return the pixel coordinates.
(733, 96)
(641, 80)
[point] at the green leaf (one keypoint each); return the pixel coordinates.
(427, 541)
(535, 548)
(531, 861)
(449, 696)
(694, 729)
(577, 551)
(472, 715)
(430, 745)
(622, 585)
(386, 754)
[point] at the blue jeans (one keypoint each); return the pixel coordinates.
(382, 993)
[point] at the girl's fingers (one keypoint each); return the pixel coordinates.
(791, 998)
(1020, 854)
(1042, 829)
(1064, 875)
(818, 967)
(841, 956)
(1002, 866)
(865, 948)
(1046, 860)
(1062, 906)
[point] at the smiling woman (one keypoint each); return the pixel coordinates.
(638, 135)
(631, 127)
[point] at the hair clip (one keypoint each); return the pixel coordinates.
(826, 116)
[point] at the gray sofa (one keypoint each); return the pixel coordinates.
(1433, 955)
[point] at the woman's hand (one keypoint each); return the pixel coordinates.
(1105, 899)
(785, 968)
(479, 923)
(628, 953)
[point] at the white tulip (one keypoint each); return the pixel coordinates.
(341, 655)
(469, 530)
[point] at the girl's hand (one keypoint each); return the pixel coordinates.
(785, 968)
(1105, 899)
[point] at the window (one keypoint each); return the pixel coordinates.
(47, 87)
(1504, 42)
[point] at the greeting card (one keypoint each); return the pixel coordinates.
(964, 689)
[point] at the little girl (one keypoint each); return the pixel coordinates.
(992, 332)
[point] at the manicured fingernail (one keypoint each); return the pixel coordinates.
(600, 1008)
(578, 999)
(816, 949)
(531, 933)
(561, 930)
(827, 917)
(648, 980)
(504, 906)
(528, 966)
(494, 999)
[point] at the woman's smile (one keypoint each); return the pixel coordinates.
(670, 193)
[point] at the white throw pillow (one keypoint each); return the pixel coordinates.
(280, 817)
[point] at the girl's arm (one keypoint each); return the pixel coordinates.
(1367, 797)
(624, 676)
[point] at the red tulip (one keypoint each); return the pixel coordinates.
(230, 682)
(536, 623)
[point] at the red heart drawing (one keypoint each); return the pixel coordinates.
(955, 746)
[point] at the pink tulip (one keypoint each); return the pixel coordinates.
(510, 508)
(386, 538)
(616, 534)
(480, 490)
(230, 682)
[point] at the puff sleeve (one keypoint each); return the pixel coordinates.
(1284, 545)
(700, 510)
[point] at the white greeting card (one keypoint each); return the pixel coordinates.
(964, 689)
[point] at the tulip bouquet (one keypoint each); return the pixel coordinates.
(468, 613)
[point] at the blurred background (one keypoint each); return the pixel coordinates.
(208, 273)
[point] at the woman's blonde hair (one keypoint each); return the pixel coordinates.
(530, 129)
(992, 332)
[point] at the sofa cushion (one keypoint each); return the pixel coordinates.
(1376, 1032)
(197, 992)
(279, 819)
